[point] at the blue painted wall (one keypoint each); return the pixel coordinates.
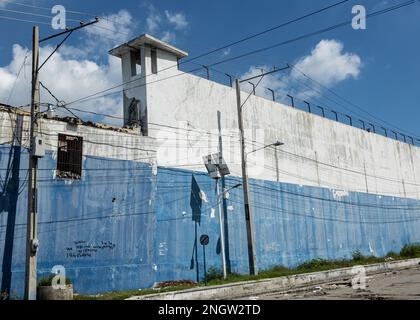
(122, 228)
(101, 229)
(293, 224)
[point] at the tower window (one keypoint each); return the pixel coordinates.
(154, 61)
(69, 157)
(135, 62)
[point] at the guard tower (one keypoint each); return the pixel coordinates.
(144, 59)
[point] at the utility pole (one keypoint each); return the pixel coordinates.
(31, 238)
(36, 151)
(248, 210)
(252, 256)
(220, 199)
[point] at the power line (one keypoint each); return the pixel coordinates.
(17, 76)
(25, 20)
(67, 11)
(231, 44)
(308, 35)
(318, 32)
(292, 21)
(347, 101)
(119, 145)
(268, 30)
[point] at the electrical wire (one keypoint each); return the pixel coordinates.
(101, 94)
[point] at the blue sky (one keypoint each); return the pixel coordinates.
(377, 69)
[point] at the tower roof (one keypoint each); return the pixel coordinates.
(146, 39)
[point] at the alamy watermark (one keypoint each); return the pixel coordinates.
(59, 280)
(359, 20)
(358, 282)
(58, 21)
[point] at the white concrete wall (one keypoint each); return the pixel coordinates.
(183, 110)
(96, 142)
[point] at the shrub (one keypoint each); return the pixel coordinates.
(358, 256)
(314, 264)
(214, 273)
(410, 251)
(47, 281)
(392, 255)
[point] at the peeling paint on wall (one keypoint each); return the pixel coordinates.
(339, 194)
(212, 213)
(203, 196)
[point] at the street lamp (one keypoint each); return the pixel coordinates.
(275, 144)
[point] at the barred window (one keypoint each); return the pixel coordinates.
(69, 159)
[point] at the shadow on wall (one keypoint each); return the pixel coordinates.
(195, 204)
(9, 194)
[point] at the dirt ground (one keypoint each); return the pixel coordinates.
(396, 285)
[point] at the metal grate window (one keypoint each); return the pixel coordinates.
(69, 160)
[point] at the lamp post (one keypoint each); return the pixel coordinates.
(217, 168)
(222, 235)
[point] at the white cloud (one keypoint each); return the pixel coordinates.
(165, 24)
(328, 65)
(177, 19)
(75, 71)
(169, 37)
(226, 52)
(67, 78)
(111, 30)
(153, 20)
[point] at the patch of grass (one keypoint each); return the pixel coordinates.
(317, 265)
(215, 276)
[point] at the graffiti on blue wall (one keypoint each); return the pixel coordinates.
(122, 228)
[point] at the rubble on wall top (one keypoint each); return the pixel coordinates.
(70, 120)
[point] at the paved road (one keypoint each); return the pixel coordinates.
(398, 285)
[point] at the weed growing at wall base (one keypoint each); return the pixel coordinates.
(316, 265)
(215, 276)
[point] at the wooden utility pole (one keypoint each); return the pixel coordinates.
(248, 210)
(31, 238)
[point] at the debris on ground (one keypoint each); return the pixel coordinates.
(169, 284)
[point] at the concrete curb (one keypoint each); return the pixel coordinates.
(257, 287)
